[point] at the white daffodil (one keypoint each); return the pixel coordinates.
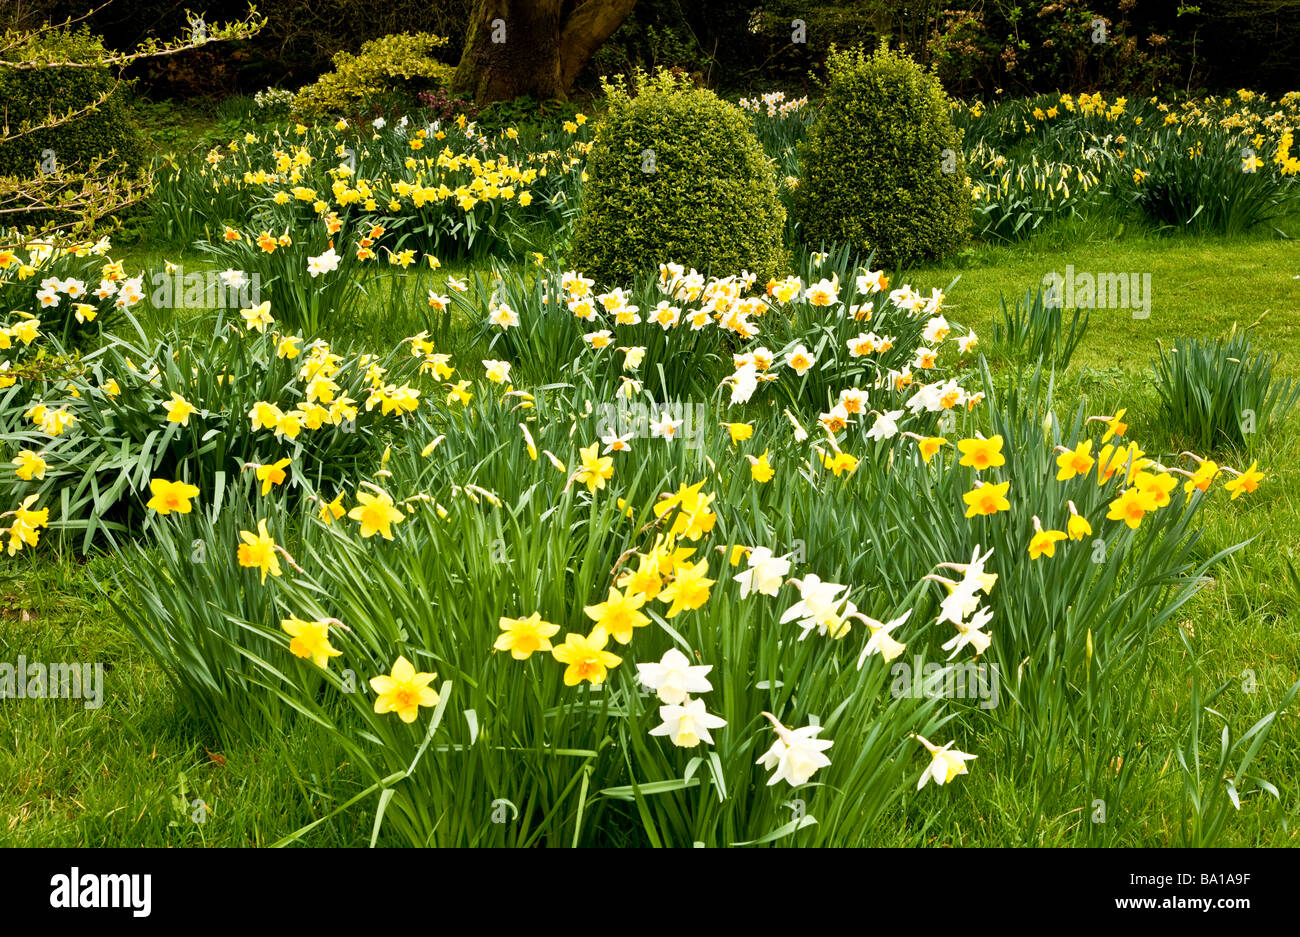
(764, 574)
(616, 443)
(886, 425)
(796, 754)
(881, 642)
(688, 724)
(961, 601)
(743, 383)
(936, 330)
(325, 263)
(665, 427)
(498, 372)
(945, 764)
(970, 632)
(503, 316)
(800, 360)
(674, 677)
(974, 571)
(818, 606)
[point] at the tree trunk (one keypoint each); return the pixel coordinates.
(536, 47)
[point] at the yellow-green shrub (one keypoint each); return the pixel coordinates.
(400, 65)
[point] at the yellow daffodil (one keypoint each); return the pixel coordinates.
(310, 639)
(586, 657)
(618, 615)
(377, 514)
(987, 499)
(403, 691)
(981, 454)
(171, 496)
(522, 637)
(1246, 482)
(29, 465)
(258, 551)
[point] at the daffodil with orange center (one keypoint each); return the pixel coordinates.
(1076, 461)
(981, 454)
(403, 691)
(987, 499)
(171, 496)
(586, 657)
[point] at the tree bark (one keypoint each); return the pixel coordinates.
(537, 47)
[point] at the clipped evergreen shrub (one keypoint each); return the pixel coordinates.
(882, 167)
(392, 68)
(676, 174)
(35, 96)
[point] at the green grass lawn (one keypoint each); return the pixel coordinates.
(138, 771)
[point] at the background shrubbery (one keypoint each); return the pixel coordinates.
(676, 174)
(883, 167)
(396, 67)
(1037, 45)
(36, 96)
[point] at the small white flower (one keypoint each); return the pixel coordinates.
(615, 443)
(688, 724)
(498, 372)
(765, 573)
(886, 425)
(325, 263)
(799, 360)
(503, 316)
(819, 605)
(743, 383)
(945, 764)
(881, 642)
(936, 330)
(666, 427)
(969, 632)
(796, 754)
(674, 677)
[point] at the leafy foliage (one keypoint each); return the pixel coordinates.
(1215, 392)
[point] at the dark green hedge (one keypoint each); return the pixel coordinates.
(36, 94)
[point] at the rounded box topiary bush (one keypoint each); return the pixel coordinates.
(675, 174)
(882, 167)
(35, 97)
